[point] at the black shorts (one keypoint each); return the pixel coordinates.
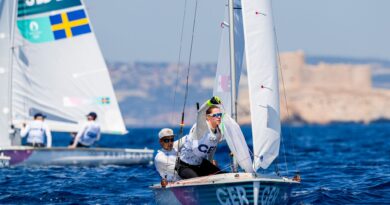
(35, 144)
(81, 145)
(186, 171)
(78, 144)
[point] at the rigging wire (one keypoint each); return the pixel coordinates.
(285, 102)
(288, 117)
(179, 59)
(176, 85)
(187, 78)
(189, 67)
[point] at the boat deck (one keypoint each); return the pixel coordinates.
(227, 178)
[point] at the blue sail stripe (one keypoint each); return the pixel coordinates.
(78, 30)
(55, 19)
(59, 34)
(75, 15)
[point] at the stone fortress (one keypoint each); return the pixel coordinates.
(324, 93)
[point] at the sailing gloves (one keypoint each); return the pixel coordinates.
(215, 100)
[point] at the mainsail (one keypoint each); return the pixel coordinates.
(222, 88)
(58, 68)
(222, 84)
(263, 80)
(254, 33)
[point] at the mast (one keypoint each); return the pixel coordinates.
(232, 70)
(10, 67)
(232, 60)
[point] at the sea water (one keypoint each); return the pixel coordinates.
(338, 164)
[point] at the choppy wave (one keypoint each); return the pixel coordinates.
(338, 164)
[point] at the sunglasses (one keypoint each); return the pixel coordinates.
(168, 140)
(219, 114)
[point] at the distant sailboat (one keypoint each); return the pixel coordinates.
(254, 35)
(51, 63)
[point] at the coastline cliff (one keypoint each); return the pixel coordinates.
(320, 92)
(325, 93)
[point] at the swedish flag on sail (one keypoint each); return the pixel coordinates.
(69, 24)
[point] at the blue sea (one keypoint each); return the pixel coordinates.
(338, 164)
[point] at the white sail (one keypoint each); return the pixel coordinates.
(262, 72)
(237, 144)
(59, 69)
(5, 33)
(222, 87)
(222, 83)
(262, 79)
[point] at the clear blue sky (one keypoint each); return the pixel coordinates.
(148, 30)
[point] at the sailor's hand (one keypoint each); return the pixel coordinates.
(215, 100)
(164, 182)
(71, 146)
(214, 162)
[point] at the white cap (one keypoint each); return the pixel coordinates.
(165, 132)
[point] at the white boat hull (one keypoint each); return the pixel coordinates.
(79, 156)
(224, 189)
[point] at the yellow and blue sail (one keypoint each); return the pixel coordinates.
(66, 24)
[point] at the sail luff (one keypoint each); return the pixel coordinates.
(263, 80)
(6, 14)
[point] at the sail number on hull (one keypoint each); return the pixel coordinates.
(236, 195)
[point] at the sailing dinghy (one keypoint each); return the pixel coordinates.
(251, 31)
(51, 63)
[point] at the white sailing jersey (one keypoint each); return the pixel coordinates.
(165, 162)
(195, 150)
(90, 133)
(202, 141)
(36, 132)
